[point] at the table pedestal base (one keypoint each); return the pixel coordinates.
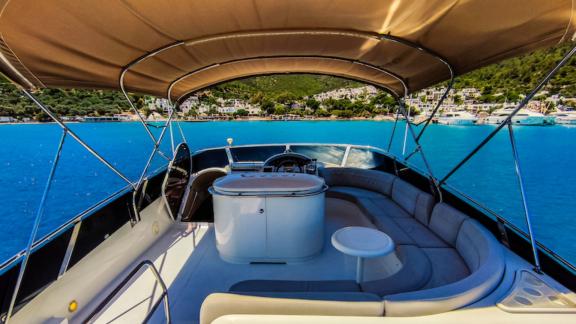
(359, 270)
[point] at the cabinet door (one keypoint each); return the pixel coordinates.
(295, 227)
(240, 224)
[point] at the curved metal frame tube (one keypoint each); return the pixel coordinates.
(244, 34)
(322, 57)
(36, 225)
(125, 70)
(75, 137)
(436, 56)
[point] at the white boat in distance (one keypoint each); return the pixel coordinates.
(457, 118)
(523, 117)
(565, 117)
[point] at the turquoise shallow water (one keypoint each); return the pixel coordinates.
(548, 156)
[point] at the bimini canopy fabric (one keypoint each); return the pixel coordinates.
(179, 46)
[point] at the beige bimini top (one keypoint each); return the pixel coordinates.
(179, 46)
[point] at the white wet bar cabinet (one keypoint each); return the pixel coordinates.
(269, 217)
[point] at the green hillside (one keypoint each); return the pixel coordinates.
(296, 85)
(519, 75)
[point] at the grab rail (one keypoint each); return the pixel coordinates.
(127, 279)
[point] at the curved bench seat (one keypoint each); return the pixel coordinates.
(464, 260)
(483, 255)
(449, 260)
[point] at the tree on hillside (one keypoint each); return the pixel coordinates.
(279, 110)
(241, 112)
(268, 107)
(313, 104)
(146, 111)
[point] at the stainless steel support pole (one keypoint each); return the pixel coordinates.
(154, 150)
(444, 95)
(142, 121)
(406, 133)
(181, 132)
(393, 130)
(524, 199)
(123, 89)
(419, 149)
(74, 136)
(523, 103)
(171, 110)
(36, 225)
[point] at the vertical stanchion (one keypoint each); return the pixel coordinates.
(406, 133)
(393, 129)
(36, 225)
(171, 136)
(524, 199)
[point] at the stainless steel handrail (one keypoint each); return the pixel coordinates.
(126, 280)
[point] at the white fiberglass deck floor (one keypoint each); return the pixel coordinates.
(205, 273)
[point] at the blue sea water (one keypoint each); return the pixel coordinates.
(548, 159)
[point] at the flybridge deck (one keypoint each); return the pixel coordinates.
(189, 265)
(132, 46)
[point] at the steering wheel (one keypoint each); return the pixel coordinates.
(288, 162)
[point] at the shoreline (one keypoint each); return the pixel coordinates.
(206, 120)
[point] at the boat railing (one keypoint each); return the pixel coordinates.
(136, 270)
(74, 221)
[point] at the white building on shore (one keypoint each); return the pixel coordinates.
(347, 93)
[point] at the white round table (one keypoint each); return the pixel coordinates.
(362, 242)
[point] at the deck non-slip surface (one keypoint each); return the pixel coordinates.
(205, 272)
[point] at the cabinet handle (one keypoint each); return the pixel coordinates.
(261, 211)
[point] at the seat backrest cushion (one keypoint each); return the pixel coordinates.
(474, 244)
(445, 222)
(413, 200)
(484, 257)
(377, 181)
(424, 205)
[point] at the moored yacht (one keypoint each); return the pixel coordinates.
(462, 118)
(523, 117)
(288, 232)
(565, 117)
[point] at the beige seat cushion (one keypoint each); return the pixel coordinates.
(220, 304)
